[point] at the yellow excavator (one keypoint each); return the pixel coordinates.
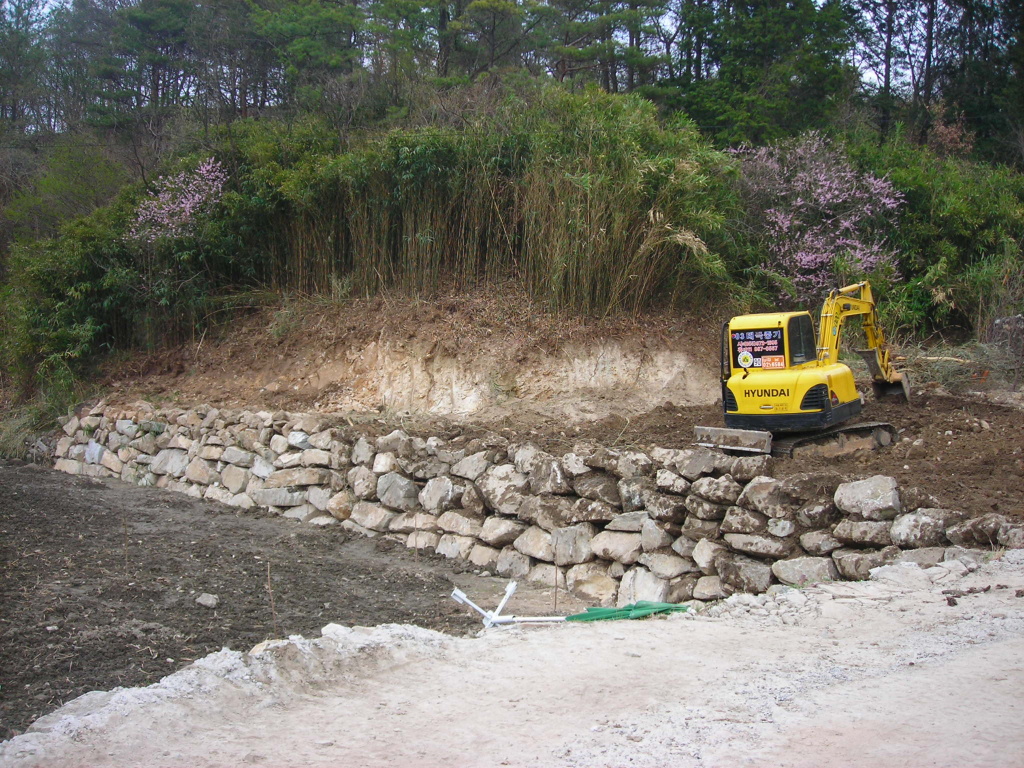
(778, 376)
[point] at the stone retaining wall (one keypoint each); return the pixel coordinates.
(613, 526)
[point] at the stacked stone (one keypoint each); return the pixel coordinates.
(612, 526)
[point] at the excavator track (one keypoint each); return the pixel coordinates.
(837, 441)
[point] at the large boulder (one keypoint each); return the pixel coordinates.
(856, 564)
(740, 573)
(801, 571)
(923, 528)
(502, 488)
(639, 584)
(868, 533)
(623, 548)
(979, 532)
(875, 498)
(398, 492)
(572, 545)
(759, 545)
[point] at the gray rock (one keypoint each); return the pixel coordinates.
(298, 477)
(238, 457)
(384, 463)
(262, 468)
(536, 543)
(720, 490)
(759, 545)
(926, 557)
(422, 540)
(865, 533)
(704, 462)
(398, 492)
(572, 545)
(362, 452)
(472, 467)
(923, 528)
(548, 476)
(670, 482)
(502, 488)
(856, 564)
(501, 531)
(1011, 536)
(373, 517)
(591, 582)
(455, 547)
(639, 584)
(780, 527)
(818, 514)
(548, 512)
(683, 546)
(170, 461)
(397, 442)
(680, 589)
(746, 468)
(742, 520)
(483, 556)
(668, 509)
(453, 522)
(704, 509)
(980, 532)
(624, 548)
(440, 494)
(278, 497)
(820, 542)
(631, 522)
(668, 565)
(548, 575)
(207, 600)
(634, 491)
(708, 588)
(739, 573)
(513, 564)
(341, 504)
(876, 498)
(653, 536)
(235, 479)
(201, 472)
(598, 486)
(696, 529)
(589, 511)
(802, 571)
(363, 482)
(705, 553)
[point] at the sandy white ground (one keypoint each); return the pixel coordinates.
(879, 673)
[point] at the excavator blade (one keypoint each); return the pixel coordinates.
(746, 440)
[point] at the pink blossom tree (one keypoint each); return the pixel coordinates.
(817, 220)
(179, 203)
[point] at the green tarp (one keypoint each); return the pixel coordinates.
(632, 611)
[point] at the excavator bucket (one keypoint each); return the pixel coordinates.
(897, 389)
(745, 440)
(897, 384)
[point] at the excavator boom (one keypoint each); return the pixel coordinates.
(856, 301)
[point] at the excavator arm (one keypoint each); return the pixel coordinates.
(856, 301)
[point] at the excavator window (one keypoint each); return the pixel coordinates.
(801, 340)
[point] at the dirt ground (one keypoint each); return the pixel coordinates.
(99, 583)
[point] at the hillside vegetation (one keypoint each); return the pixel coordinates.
(168, 164)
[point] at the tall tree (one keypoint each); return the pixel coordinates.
(21, 59)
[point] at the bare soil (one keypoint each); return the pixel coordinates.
(99, 583)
